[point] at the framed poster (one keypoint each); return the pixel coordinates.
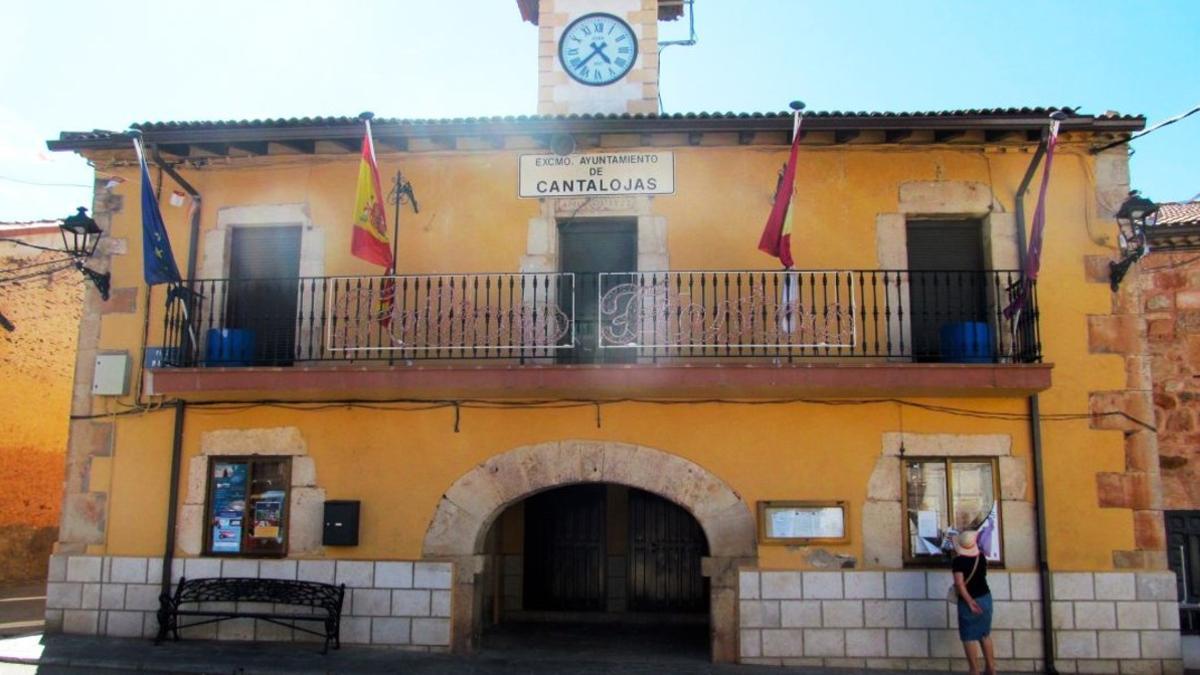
(247, 506)
(228, 506)
(268, 514)
(802, 522)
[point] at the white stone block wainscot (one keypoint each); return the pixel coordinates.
(1104, 622)
(403, 604)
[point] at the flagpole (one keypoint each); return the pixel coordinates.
(797, 114)
(399, 193)
(172, 294)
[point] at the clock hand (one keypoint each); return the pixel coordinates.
(588, 57)
(599, 49)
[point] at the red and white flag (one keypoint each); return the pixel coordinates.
(776, 239)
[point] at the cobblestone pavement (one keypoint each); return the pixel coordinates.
(77, 655)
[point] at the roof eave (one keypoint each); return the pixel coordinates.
(611, 125)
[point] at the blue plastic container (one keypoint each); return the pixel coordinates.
(967, 342)
(229, 347)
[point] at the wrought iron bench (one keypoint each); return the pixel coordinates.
(325, 599)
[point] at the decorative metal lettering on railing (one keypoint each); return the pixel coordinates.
(508, 312)
(703, 310)
(928, 316)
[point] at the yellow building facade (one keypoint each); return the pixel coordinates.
(783, 455)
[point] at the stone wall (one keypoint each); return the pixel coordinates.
(1130, 410)
(37, 355)
(1104, 622)
(90, 443)
(1171, 302)
(394, 603)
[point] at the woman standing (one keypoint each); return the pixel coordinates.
(974, 602)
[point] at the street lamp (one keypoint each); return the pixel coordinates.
(80, 236)
(1134, 216)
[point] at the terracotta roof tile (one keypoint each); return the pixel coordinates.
(1178, 213)
(849, 115)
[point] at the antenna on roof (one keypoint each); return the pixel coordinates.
(689, 5)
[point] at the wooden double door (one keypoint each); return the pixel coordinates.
(567, 561)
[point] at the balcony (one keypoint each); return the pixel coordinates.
(679, 333)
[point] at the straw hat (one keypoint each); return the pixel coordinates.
(964, 544)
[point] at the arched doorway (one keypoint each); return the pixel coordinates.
(464, 518)
(596, 568)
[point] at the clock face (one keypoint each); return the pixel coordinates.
(597, 49)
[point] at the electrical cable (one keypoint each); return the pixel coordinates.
(418, 405)
(1145, 132)
(19, 242)
(33, 265)
(34, 275)
(1171, 265)
(30, 182)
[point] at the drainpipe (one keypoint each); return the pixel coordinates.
(172, 508)
(1035, 441)
(180, 406)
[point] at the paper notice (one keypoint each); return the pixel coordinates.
(927, 524)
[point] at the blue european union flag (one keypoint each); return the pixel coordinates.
(158, 262)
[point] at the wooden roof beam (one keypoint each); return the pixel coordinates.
(1002, 135)
(302, 146)
(212, 149)
(398, 143)
(176, 149)
(347, 144)
(846, 135)
(250, 147)
(948, 135)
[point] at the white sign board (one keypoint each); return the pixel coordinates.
(805, 522)
(597, 174)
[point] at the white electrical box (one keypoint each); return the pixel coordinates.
(112, 375)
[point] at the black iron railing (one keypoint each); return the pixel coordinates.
(454, 316)
(923, 316)
(942, 316)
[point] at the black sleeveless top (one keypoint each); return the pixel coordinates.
(977, 586)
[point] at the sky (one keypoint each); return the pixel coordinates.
(76, 65)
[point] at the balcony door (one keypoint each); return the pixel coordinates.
(947, 291)
(264, 272)
(587, 248)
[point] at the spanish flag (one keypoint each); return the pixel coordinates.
(776, 238)
(370, 239)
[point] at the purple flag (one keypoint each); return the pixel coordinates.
(1033, 255)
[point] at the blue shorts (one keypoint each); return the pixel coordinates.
(974, 627)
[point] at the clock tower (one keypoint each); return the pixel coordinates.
(597, 56)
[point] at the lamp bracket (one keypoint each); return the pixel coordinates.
(102, 280)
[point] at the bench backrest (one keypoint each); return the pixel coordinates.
(282, 591)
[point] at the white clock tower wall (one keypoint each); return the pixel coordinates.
(636, 92)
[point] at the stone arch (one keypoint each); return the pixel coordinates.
(467, 510)
(475, 500)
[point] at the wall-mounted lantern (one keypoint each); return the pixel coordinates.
(80, 236)
(1134, 216)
